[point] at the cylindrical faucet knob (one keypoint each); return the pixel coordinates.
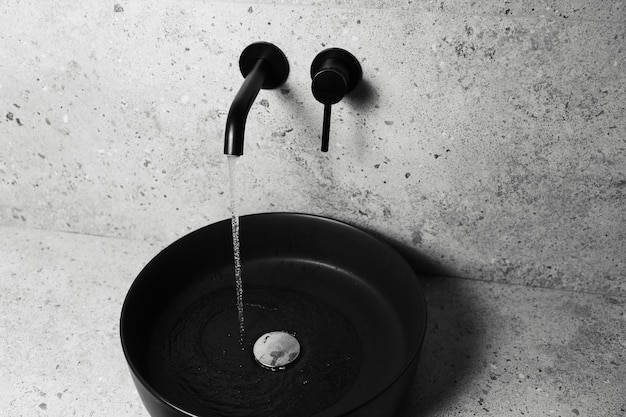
(330, 83)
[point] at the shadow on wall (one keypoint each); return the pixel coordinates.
(362, 99)
(453, 347)
(363, 96)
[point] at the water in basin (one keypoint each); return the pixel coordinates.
(203, 366)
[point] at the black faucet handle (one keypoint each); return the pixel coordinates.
(335, 72)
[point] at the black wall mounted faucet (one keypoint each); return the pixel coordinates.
(335, 72)
(263, 65)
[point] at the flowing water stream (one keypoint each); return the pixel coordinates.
(232, 171)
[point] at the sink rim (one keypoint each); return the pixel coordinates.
(414, 351)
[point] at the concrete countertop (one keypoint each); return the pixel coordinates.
(491, 349)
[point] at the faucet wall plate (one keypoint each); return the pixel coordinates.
(272, 55)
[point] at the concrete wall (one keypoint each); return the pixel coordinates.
(489, 136)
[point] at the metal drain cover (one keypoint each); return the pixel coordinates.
(275, 350)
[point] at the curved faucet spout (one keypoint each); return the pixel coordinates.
(264, 66)
(238, 113)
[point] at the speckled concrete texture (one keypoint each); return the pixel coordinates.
(608, 10)
(490, 349)
(506, 350)
(487, 135)
(60, 300)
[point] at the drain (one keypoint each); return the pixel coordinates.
(275, 350)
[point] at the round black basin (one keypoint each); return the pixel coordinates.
(344, 308)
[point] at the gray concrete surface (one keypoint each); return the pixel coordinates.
(487, 135)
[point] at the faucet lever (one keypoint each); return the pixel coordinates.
(335, 72)
(263, 65)
(326, 128)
